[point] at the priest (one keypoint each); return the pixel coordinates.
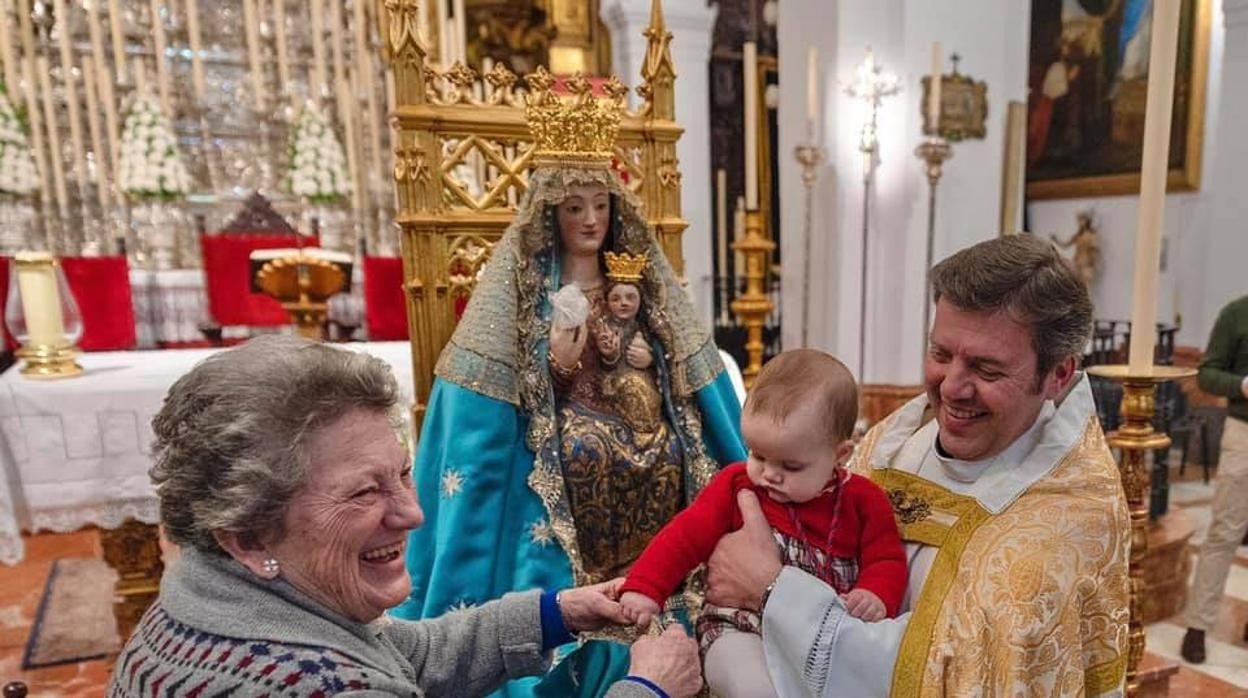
(1006, 495)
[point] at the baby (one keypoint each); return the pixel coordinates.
(798, 424)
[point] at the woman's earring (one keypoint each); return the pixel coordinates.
(271, 567)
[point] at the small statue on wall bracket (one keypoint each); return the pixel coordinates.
(1087, 243)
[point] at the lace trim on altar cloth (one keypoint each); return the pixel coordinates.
(107, 515)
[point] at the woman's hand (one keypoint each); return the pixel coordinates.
(745, 562)
(638, 354)
(669, 660)
(566, 344)
(591, 607)
(639, 608)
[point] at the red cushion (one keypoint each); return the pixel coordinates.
(227, 276)
(385, 309)
(101, 285)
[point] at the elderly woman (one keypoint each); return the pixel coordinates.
(282, 476)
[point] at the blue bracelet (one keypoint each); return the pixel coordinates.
(648, 684)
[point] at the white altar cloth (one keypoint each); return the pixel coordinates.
(75, 452)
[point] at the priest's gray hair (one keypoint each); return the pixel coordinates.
(231, 447)
(1026, 277)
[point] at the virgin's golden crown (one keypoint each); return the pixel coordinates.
(624, 267)
(578, 130)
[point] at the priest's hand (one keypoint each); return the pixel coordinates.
(638, 608)
(745, 562)
(864, 605)
(592, 607)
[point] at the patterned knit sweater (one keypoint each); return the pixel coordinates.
(217, 630)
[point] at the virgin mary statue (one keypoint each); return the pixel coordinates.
(532, 472)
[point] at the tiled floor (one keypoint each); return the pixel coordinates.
(1225, 675)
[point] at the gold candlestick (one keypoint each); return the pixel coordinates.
(1135, 439)
(810, 157)
(753, 306)
(934, 152)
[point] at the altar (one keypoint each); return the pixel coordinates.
(76, 452)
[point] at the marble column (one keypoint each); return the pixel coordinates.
(691, 24)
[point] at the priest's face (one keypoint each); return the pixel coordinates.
(981, 378)
(346, 530)
(583, 218)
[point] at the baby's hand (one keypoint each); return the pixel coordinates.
(864, 605)
(638, 608)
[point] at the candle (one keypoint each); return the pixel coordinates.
(251, 24)
(94, 76)
(1015, 161)
(444, 35)
(71, 97)
(197, 48)
(6, 51)
(738, 234)
(348, 129)
(162, 56)
(319, 78)
(283, 66)
(750, 59)
(812, 90)
(721, 219)
(31, 91)
(933, 91)
(41, 299)
(364, 74)
(119, 39)
(461, 32)
(54, 135)
(1157, 113)
(140, 75)
(97, 140)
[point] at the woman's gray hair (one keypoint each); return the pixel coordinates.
(231, 446)
(1028, 279)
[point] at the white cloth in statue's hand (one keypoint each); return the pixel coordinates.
(571, 307)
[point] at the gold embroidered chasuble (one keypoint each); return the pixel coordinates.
(1030, 601)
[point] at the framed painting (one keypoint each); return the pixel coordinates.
(1088, 83)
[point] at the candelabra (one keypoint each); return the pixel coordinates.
(934, 152)
(871, 84)
(754, 305)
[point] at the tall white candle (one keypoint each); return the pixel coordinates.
(119, 40)
(108, 101)
(97, 138)
(197, 49)
(721, 219)
(279, 36)
(7, 54)
(251, 25)
(934, 86)
(364, 75)
(320, 78)
(41, 303)
(738, 234)
(74, 109)
(812, 89)
(445, 49)
(1157, 113)
(750, 58)
(31, 92)
(161, 45)
(54, 135)
(140, 75)
(461, 32)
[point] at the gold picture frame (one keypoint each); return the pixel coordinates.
(963, 107)
(1086, 108)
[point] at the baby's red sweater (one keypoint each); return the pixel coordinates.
(866, 531)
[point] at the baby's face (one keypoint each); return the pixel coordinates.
(792, 459)
(623, 300)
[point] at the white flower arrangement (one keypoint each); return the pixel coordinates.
(151, 166)
(18, 176)
(318, 165)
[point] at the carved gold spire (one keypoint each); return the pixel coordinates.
(658, 71)
(624, 267)
(575, 131)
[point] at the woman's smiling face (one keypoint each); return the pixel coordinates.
(346, 530)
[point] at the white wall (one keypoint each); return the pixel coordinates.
(1200, 272)
(1207, 245)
